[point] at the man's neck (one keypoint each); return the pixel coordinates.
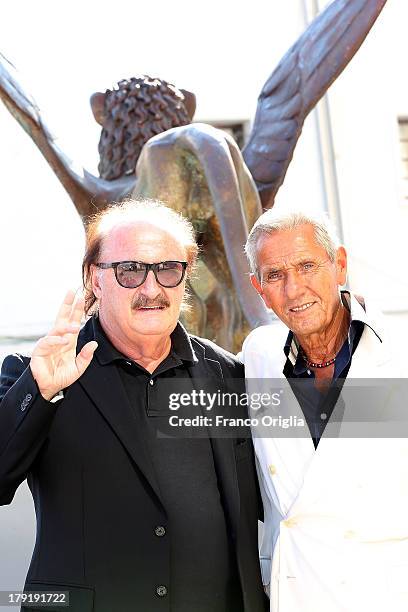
(324, 346)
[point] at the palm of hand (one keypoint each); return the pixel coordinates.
(54, 362)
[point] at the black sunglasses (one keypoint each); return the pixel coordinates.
(132, 274)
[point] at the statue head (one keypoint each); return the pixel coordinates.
(131, 114)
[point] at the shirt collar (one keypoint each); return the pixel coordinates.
(181, 346)
(355, 305)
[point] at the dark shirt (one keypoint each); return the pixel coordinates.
(204, 575)
(318, 406)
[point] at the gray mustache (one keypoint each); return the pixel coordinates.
(141, 301)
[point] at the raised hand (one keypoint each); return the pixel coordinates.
(54, 362)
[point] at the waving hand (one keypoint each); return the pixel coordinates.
(54, 362)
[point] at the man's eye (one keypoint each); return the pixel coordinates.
(308, 266)
(274, 276)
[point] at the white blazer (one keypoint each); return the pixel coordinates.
(335, 537)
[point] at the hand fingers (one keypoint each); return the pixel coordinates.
(70, 315)
(68, 328)
(65, 308)
(65, 328)
(84, 358)
(46, 344)
(77, 311)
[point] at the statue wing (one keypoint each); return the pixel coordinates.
(87, 192)
(297, 84)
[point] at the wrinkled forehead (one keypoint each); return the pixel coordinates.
(289, 247)
(141, 241)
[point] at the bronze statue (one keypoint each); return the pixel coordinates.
(133, 113)
(148, 147)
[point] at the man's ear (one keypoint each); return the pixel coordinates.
(341, 265)
(256, 284)
(96, 281)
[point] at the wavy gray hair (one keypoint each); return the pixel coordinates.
(274, 221)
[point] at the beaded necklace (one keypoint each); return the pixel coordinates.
(312, 364)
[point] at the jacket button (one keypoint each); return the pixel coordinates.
(161, 591)
(160, 531)
(151, 382)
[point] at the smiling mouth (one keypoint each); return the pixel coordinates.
(301, 308)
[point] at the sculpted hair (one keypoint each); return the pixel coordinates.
(137, 110)
(273, 221)
(123, 213)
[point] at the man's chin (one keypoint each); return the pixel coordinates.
(305, 327)
(151, 330)
(159, 321)
(156, 323)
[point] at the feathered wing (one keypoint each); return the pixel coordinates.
(297, 84)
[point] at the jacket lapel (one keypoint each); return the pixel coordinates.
(209, 371)
(284, 460)
(371, 360)
(105, 389)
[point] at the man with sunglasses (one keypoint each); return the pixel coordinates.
(131, 516)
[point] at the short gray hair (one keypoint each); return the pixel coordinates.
(274, 221)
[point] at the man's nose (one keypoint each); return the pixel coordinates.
(293, 284)
(150, 287)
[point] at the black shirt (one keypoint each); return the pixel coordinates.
(204, 575)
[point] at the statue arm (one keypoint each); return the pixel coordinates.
(87, 192)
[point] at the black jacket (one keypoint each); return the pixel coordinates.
(96, 500)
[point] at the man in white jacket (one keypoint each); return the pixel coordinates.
(335, 492)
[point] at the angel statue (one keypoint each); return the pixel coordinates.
(149, 147)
